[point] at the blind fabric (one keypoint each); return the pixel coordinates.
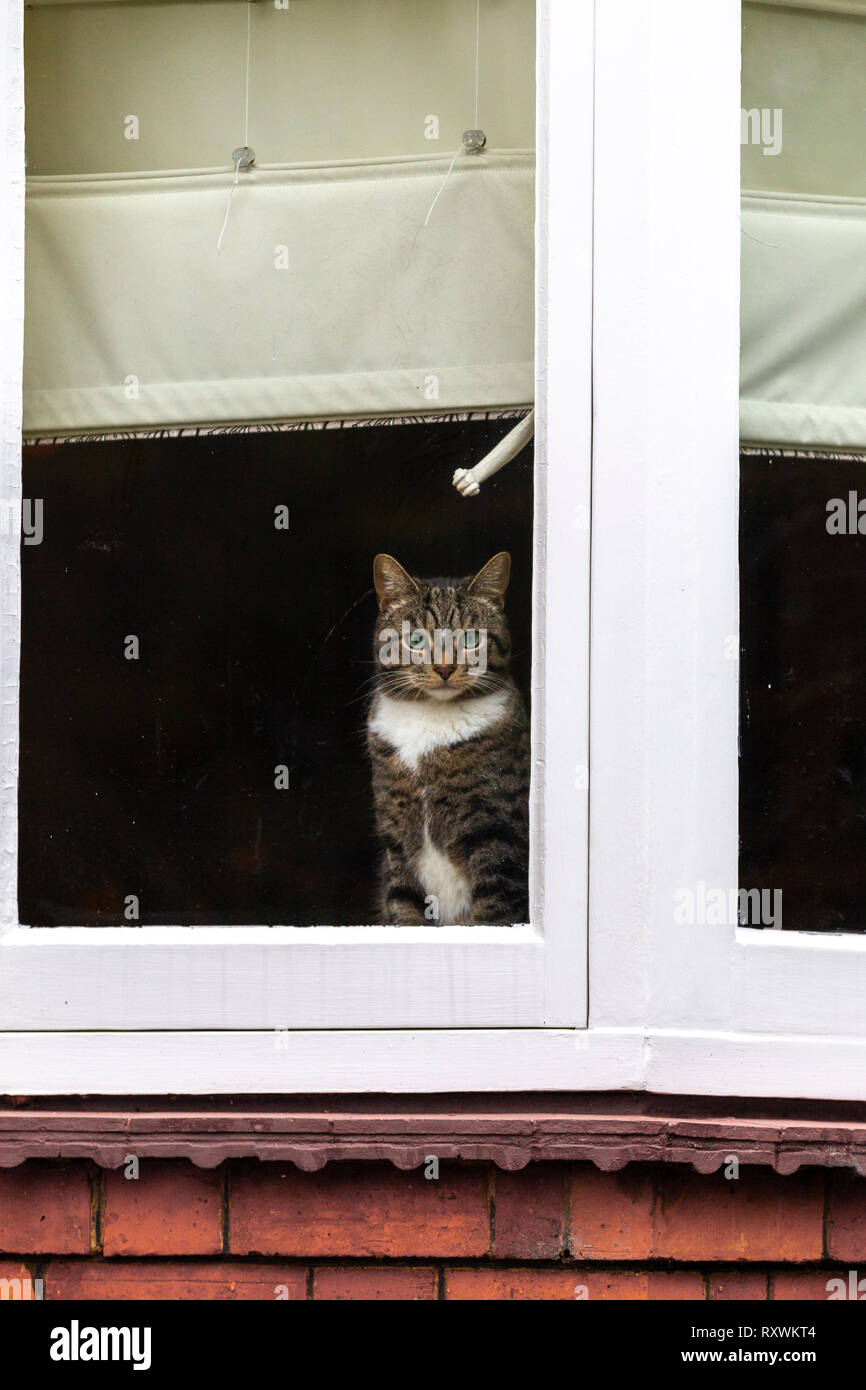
(329, 297)
(803, 315)
(803, 298)
(825, 6)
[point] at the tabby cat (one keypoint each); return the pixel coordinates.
(449, 744)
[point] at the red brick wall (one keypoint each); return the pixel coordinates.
(251, 1230)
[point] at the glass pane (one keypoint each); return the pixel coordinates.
(280, 288)
(803, 467)
(157, 775)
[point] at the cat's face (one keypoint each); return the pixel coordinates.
(441, 639)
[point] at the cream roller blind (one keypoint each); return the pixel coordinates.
(803, 318)
(329, 296)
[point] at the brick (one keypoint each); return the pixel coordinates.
(45, 1209)
(810, 1286)
(572, 1284)
(156, 1281)
(378, 1282)
(846, 1217)
(529, 1213)
(676, 1285)
(171, 1208)
(359, 1209)
(611, 1214)
(481, 1285)
(740, 1285)
(759, 1216)
(632, 1286)
(675, 1213)
(16, 1282)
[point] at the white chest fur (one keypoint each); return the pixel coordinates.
(416, 727)
(443, 881)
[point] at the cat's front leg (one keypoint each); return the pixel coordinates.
(500, 907)
(500, 895)
(402, 903)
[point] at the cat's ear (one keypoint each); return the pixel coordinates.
(491, 582)
(391, 581)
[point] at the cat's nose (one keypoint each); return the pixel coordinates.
(445, 671)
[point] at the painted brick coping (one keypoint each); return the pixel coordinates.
(607, 1129)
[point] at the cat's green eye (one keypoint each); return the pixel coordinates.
(418, 640)
(470, 638)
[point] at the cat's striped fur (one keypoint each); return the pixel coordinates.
(450, 758)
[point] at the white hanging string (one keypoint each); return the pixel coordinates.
(462, 145)
(477, 50)
(229, 203)
(443, 183)
(771, 244)
(237, 156)
(247, 78)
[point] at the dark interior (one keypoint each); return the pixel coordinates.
(803, 691)
(155, 777)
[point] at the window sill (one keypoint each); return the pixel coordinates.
(607, 1129)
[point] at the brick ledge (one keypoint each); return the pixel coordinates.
(607, 1129)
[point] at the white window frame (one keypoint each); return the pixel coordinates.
(701, 1009)
(721, 1009)
(128, 983)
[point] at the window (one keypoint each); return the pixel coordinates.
(128, 366)
(719, 1008)
(804, 432)
(639, 106)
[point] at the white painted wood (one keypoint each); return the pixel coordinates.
(665, 585)
(435, 1060)
(11, 357)
(802, 1066)
(563, 450)
(357, 977)
(220, 1063)
(271, 977)
(665, 469)
(799, 982)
